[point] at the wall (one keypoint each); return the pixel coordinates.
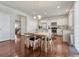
(71, 18)
(4, 26)
(9, 18)
(31, 25)
(76, 25)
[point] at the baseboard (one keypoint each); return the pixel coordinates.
(7, 40)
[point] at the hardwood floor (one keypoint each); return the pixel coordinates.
(7, 48)
(18, 48)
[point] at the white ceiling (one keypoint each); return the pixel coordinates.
(43, 8)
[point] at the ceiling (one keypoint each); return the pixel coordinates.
(43, 8)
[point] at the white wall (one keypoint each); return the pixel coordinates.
(10, 21)
(76, 25)
(31, 24)
(4, 26)
(71, 18)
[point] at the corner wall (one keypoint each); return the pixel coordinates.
(76, 25)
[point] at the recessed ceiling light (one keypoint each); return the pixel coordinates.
(58, 6)
(34, 17)
(39, 16)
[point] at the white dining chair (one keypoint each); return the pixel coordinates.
(31, 43)
(27, 42)
(46, 45)
(35, 44)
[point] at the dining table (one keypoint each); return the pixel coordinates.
(33, 39)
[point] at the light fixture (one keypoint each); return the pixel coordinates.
(39, 16)
(34, 17)
(58, 6)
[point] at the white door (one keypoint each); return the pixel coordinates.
(23, 24)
